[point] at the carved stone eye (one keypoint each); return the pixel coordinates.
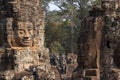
(30, 31)
(21, 32)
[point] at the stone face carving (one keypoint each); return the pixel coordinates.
(98, 57)
(22, 52)
(24, 34)
(89, 48)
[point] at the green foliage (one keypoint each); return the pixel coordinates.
(63, 26)
(45, 3)
(97, 2)
(60, 31)
(56, 48)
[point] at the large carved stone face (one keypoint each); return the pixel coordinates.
(24, 34)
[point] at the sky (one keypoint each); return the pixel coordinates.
(53, 7)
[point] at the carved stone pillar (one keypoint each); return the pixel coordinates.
(22, 52)
(99, 44)
(90, 46)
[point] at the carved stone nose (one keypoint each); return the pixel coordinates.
(26, 37)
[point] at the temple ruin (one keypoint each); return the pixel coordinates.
(98, 57)
(22, 52)
(24, 57)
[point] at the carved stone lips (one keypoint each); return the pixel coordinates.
(26, 41)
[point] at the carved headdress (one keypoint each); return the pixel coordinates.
(23, 11)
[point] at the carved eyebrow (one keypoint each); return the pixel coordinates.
(21, 29)
(29, 27)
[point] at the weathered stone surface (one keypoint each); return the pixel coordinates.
(22, 52)
(98, 57)
(89, 45)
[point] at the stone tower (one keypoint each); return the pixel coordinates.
(22, 52)
(99, 43)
